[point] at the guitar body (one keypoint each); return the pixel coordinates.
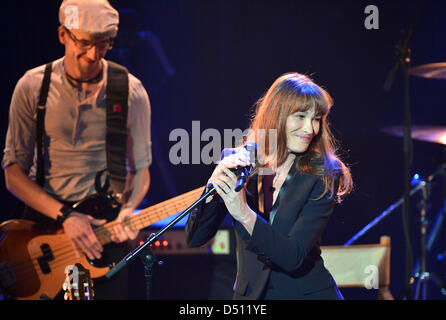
(38, 256)
(33, 259)
(21, 247)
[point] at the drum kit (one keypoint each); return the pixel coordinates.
(432, 134)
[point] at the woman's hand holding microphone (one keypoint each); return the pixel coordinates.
(224, 181)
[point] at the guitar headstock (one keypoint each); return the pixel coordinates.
(78, 284)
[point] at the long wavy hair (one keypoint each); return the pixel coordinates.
(290, 93)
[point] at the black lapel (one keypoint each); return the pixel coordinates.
(291, 199)
(252, 194)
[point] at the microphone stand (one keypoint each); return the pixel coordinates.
(421, 273)
(384, 214)
(147, 256)
(404, 61)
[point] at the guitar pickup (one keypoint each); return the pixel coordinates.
(47, 253)
(7, 276)
(47, 256)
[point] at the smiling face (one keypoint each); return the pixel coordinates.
(301, 128)
(80, 62)
(297, 109)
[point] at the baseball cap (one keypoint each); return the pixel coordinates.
(96, 17)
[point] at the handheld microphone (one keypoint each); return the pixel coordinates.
(244, 172)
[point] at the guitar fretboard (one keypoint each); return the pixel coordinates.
(150, 215)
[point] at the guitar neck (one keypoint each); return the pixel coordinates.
(150, 215)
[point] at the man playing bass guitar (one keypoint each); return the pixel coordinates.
(75, 136)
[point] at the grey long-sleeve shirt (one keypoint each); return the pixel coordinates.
(75, 130)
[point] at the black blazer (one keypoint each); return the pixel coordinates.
(284, 255)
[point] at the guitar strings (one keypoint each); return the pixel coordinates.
(68, 249)
(140, 218)
(144, 216)
(148, 217)
(143, 219)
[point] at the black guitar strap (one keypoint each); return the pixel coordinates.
(23, 211)
(40, 127)
(116, 140)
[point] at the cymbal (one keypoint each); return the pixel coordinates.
(431, 71)
(435, 134)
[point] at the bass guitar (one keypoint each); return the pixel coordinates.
(33, 261)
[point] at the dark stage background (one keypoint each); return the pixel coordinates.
(211, 60)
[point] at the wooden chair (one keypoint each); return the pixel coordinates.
(357, 266)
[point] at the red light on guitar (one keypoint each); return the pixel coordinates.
(157, 243)
(165, 243)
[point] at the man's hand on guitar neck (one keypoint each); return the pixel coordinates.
(123, 231)
(137, 185)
